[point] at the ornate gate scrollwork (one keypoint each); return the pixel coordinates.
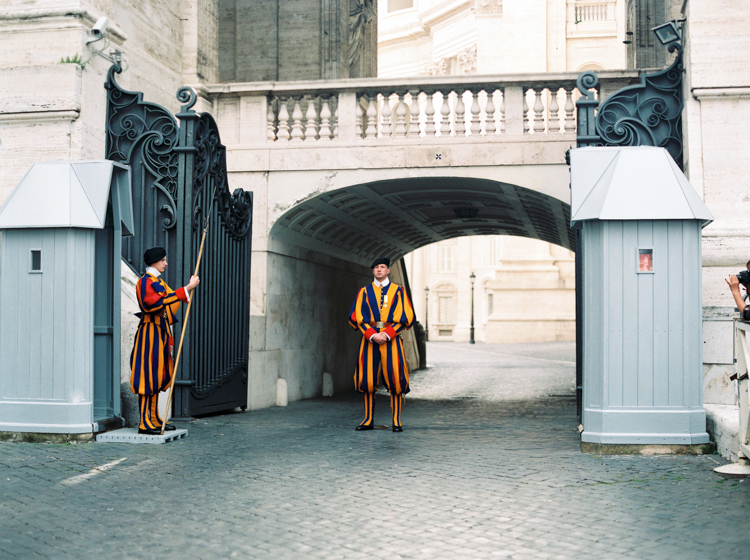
(177, 171)
(648, 114)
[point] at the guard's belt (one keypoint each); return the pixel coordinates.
(153, 317)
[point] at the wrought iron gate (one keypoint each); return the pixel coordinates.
(176, 171)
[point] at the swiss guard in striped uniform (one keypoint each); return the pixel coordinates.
(151, 365)
(380, 312)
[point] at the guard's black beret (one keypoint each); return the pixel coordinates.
(155, 254)
(381, 260)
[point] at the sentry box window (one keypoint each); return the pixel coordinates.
(35, 261)
(645, 261)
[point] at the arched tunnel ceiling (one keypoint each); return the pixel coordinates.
(393, 218)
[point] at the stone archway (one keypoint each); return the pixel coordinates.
(317, 256)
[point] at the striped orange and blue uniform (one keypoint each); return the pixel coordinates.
(151, 365)
(387, 359)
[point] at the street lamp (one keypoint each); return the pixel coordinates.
(471, 335)
(426, 307)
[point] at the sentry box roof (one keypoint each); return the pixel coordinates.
(69, 194)
(631, 183)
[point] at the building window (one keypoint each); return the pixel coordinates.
(490, 251)
(35, 264)
(646, 260)
(446, 308)
(490, 303)
(396, 5)
(445, 259)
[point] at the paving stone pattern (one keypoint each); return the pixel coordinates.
(488, 466)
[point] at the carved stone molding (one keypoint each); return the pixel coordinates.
(362, 25)
(438, 68)
(489, 7)
(467, 60)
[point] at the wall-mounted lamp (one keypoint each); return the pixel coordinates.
(668, 32)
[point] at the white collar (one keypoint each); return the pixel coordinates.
(382, 284)
(152, 271)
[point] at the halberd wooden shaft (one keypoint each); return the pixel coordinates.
(183, 332)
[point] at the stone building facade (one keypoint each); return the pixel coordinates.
(268, 40)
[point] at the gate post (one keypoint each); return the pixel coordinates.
(186, 169)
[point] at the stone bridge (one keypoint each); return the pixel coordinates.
(343, 171)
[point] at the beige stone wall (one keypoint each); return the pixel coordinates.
(298, 325)
(717, 132)
(51, 110)
(513, 276)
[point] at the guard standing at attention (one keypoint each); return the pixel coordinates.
(151, 366)
(381, 311)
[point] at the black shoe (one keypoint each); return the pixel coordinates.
(169, 428)
(398, 429)
(149, 432)
(363, 427)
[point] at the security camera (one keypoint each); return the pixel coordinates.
(100, 27)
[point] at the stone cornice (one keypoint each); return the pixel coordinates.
(39, 116)
(719, 92)
(451, 9)
(21, 16)
(405, 84)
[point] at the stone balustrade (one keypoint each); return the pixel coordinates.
(591, 12)
(454, 109)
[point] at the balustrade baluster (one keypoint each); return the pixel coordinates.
(501, 124)
(372, 117)
(283, 120)
(526, 116)
(554, 108)
(385, 113)
(360, 117)
(570, 120)
(460, 114)
(334, 102)
(476, 125)
(400, 130)
(538, 111)
(271, 129)
(297, 122)
(414, 114)
(489, 109)
(445, 115)
(311, 115)
(429, 111)
(325, 120)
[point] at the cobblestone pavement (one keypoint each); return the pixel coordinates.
(488, 466)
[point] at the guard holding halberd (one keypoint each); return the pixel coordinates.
(151, 366)
(381, 311)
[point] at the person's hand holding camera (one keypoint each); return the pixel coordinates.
(734, 282)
